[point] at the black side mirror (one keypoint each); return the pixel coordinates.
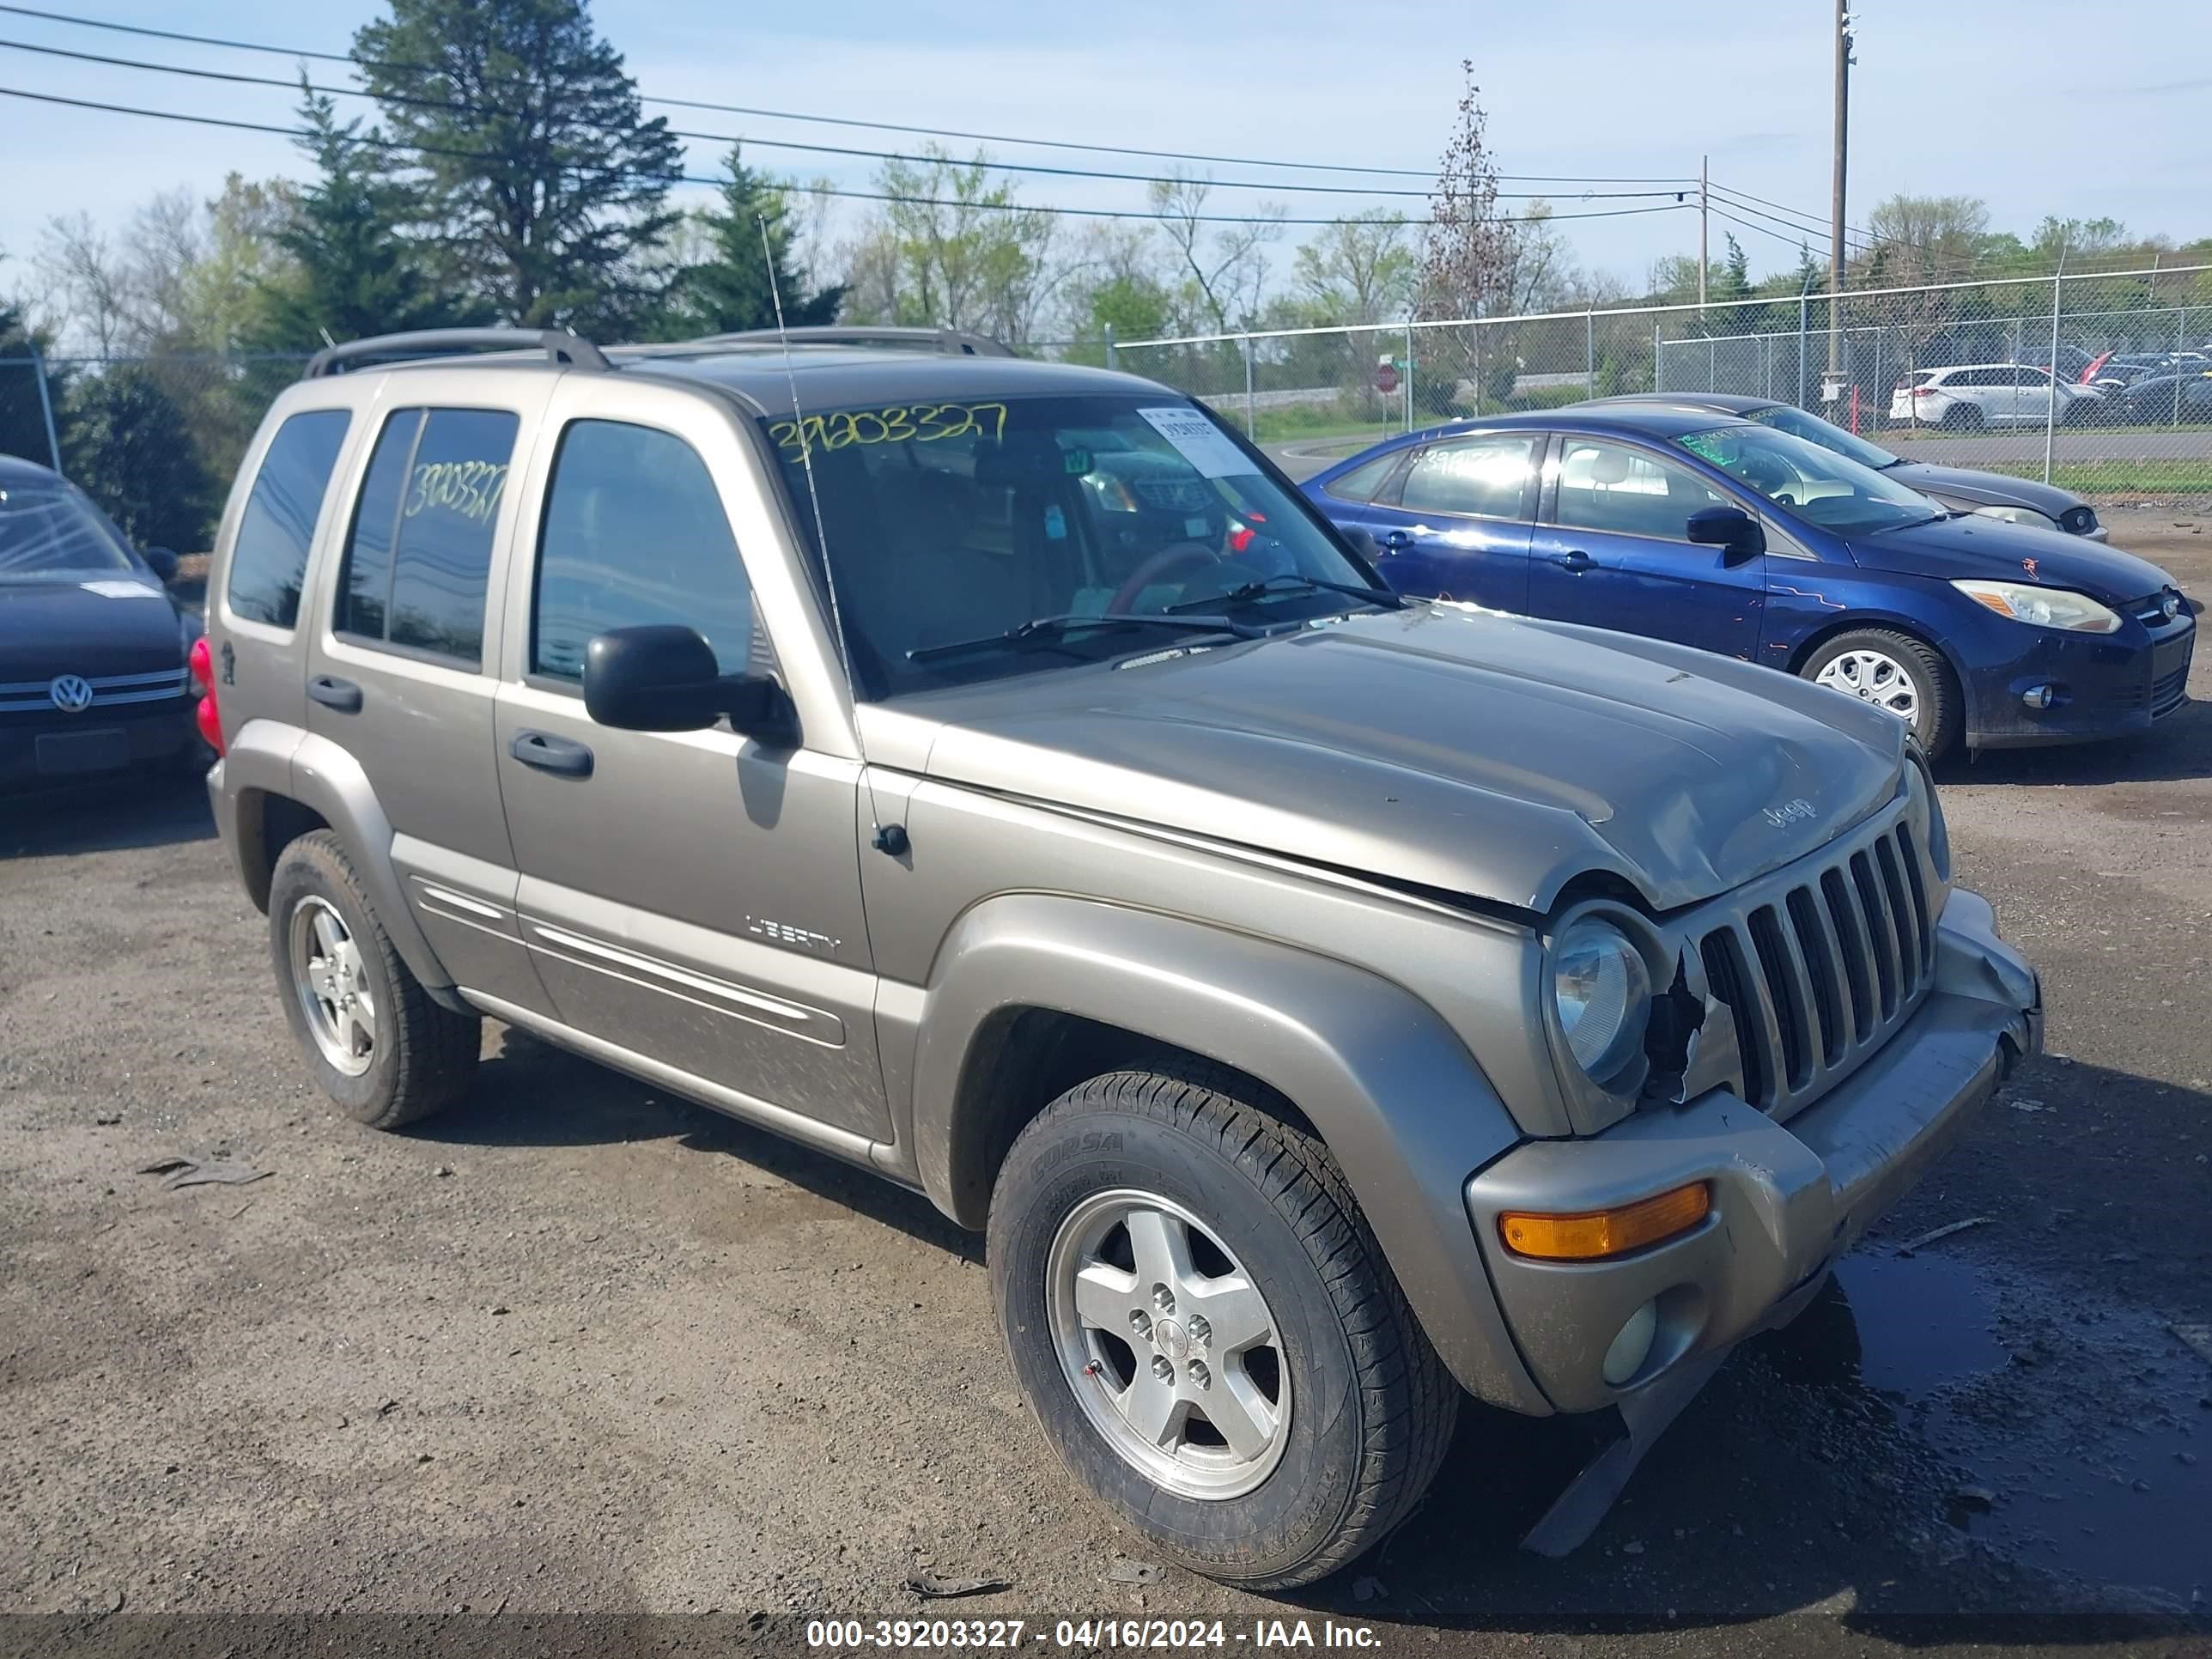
(161, 563)
(1731, 529)
(664, 678)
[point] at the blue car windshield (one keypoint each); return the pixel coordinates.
(48, 532)
(1810, 483)
(951, 523)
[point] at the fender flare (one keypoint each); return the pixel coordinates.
(269, 757)
(1400, 1103)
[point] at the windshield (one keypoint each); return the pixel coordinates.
(951, 523)
(1815, 430)
(49, 532)
(1815, 485)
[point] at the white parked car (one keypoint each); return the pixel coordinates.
(1987, 394)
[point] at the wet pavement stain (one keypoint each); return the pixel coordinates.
(1923, 1322)
(2082, 1436)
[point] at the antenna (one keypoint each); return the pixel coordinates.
(887, 838)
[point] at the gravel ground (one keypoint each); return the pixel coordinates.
(578, 1348)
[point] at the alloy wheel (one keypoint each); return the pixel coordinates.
(332, 984)
(1171, 1348)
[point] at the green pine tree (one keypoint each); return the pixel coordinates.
(530, 160)
(131, 451)
(22, 417)
(353, 271)
(730, 290)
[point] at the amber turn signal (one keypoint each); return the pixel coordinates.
(1596, 1234)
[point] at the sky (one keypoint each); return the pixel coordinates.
(2021, 102)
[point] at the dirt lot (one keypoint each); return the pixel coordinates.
(578, 1348)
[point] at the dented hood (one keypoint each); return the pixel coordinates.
(1478, 754)
(1958, 550)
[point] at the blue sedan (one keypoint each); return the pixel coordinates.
(1742, 539)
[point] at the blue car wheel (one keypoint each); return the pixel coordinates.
(1905, 677)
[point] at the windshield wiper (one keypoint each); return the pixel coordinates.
(1048, 630)
(1287, 583)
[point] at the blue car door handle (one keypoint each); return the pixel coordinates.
(549, 753)
(1397, 542)
(1577, 560)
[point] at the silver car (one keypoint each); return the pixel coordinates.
(1329, 1006)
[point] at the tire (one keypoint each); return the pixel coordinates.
(1936, 701)
(418, 1056)
(1362, 1408)
(1964, 417)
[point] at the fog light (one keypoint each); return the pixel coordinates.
(2039, 696)
(1632, 1346)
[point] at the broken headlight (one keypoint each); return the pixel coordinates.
(1928, 809)
(1601, 995)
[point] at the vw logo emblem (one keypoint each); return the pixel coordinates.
(2171, 607)
(72, 693)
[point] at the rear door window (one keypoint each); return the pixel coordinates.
(1482, 478)
(418, 557)
(268, 560)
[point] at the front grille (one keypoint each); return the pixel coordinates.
(2169, 692)
(2151, 612)
(108, 691)
(1818, 967)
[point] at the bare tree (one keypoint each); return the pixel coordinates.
(1228, 268)
(85, 283)
(1360, 270)
(1468, 259)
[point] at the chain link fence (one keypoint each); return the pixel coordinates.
(1960, 373)
(155, 439)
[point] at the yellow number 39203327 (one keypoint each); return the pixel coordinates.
(899, 424)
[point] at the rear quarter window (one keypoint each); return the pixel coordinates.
(268, 560)
(1363, 483)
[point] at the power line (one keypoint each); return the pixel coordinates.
(235, 78)
(845, 121)
(1804, 233)
(693, 179)
(1850, 229)
(1721, 213)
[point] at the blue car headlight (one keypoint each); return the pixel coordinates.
(2043, 607)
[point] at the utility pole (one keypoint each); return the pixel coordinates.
(1704, 258)
(1836, 200)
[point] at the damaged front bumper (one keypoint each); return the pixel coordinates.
(1787, 1199)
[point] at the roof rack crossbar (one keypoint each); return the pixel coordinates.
(951, 342)
(559, 345)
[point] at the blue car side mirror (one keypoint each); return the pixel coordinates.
(162, 561)
(1729, 528)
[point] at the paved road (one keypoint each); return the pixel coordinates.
(578, 1347)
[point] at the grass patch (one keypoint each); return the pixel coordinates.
(2175, 477)
(2135, 478)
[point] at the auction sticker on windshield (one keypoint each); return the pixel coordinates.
(1200, 443)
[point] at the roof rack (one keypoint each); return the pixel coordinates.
(559, 345)
(950, 341)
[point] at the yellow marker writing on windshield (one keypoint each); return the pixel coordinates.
(897, 423)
